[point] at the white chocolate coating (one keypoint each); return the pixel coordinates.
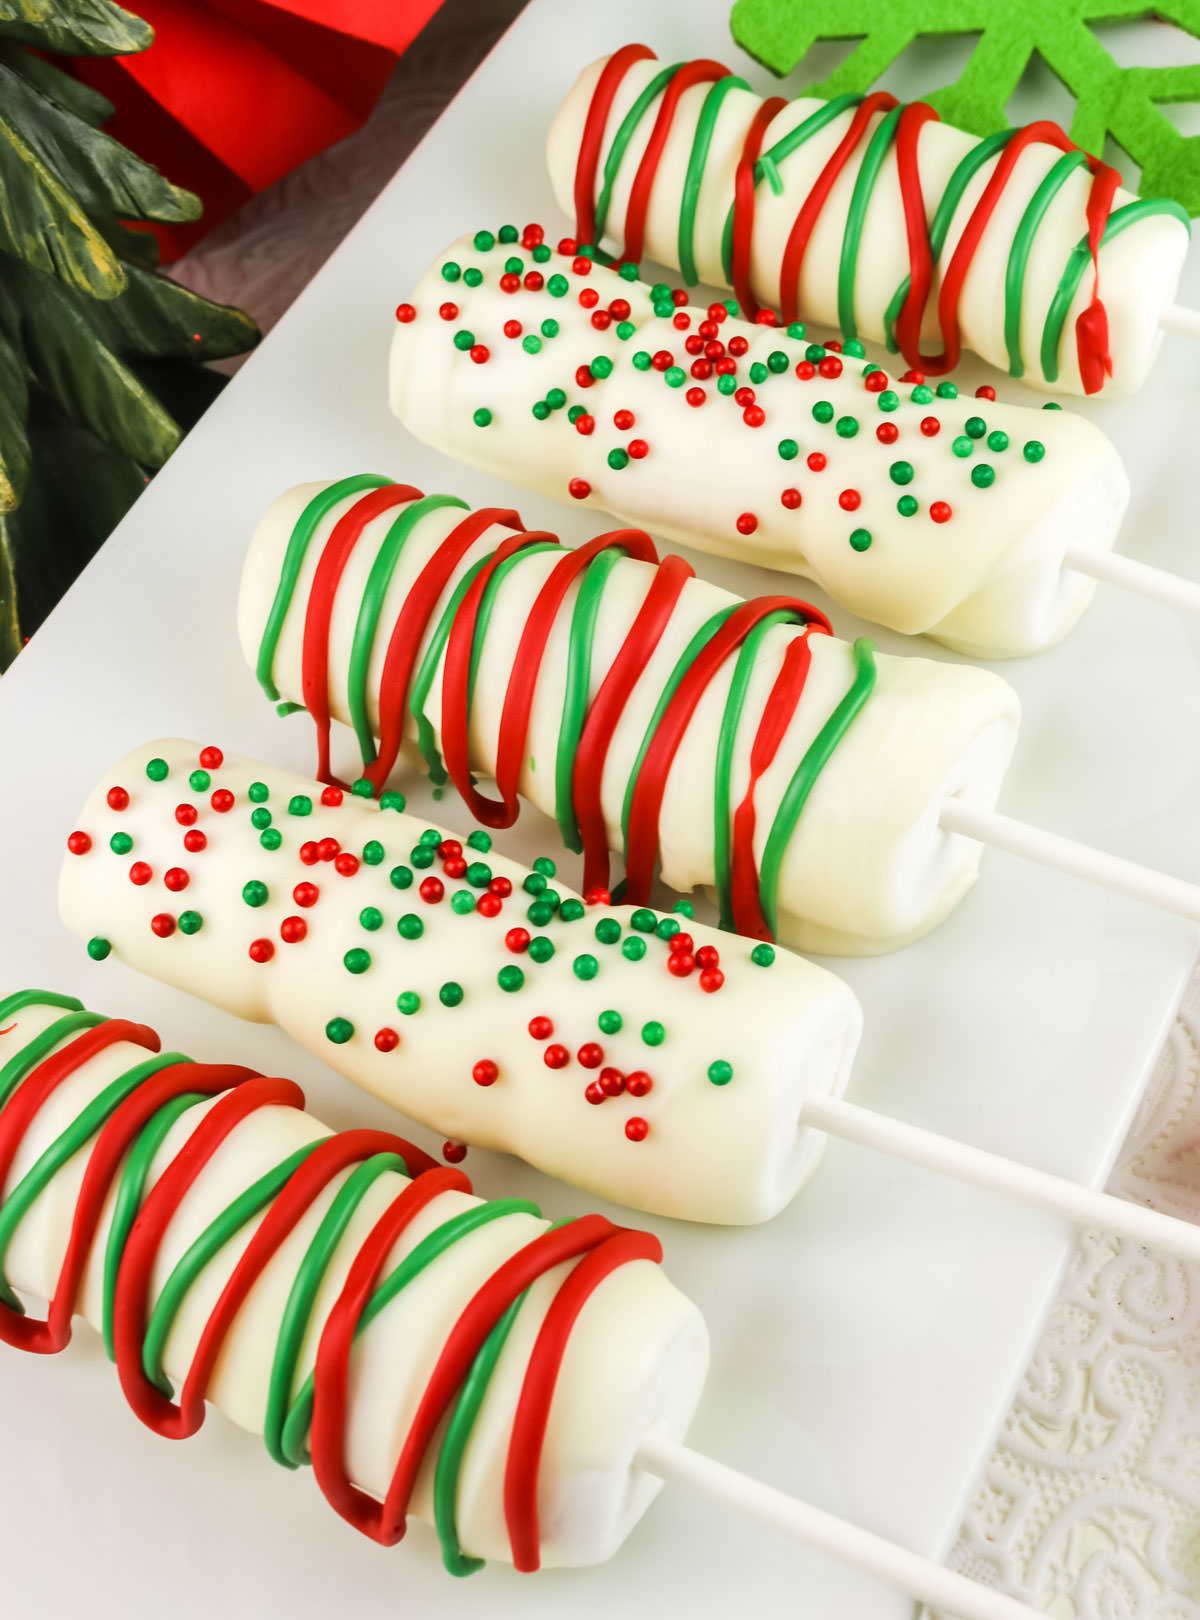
(1139, 268)
(867, 868)
(589, 1495)
(989, 582)
(728, 1153)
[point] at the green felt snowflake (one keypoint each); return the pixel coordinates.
(1110, 100)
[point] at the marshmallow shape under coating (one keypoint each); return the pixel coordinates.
(865, 867)
(955, 523)
(407, 995)
(1029, 280)
(588, 1494)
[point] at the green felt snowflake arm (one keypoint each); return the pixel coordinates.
(72, 95)
(80, 27)
(10, 629)
(14, 442)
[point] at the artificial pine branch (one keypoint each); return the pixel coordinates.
(100, 357)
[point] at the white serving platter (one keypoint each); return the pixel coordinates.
(866, 1344)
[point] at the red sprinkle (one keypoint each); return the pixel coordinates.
(985, 391)
(386, 1040)
(591, 1055)
(831, 366)
(601, 319)
(306, 894)
(163, 925)
(308, 853)
(747, 523)
(875, 382)
(212, 759)
(223, 801)
(681, 963)
(517, 940)
(585, 424)
(194, 841)
(327, 849)
(405, 313)
(636, 1129)
(583, 377)
(817, 461)
(79, 843)
(175, 879)
(682, 320)
(140, 873)
(501, 886)
(431, 891)
(489, 905)
(638, 449)
(791, 498)
(556, 1057)
(292, 930)
(849, 500)
(118, 799)
(454, 1152)
(623, 420)
(589, 298)
(513, 329)
(697, 396)
(711, 979)
(186, 815)
(754, 416)
(887, 432)
(448, 312)
(941, 511)
(930, 426)
(611, 1082)
(541, 1027)
(579, 489)
(535, 280)
(708, 956)
(510, 283)
(346, 864)
(480, 353)
(805, 370)
(331, 797)
(261, 950)
(639, 1083)
(485, 1072)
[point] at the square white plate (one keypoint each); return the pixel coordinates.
(867, 1342)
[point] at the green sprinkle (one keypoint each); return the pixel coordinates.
(983, 476)
(373, 853)
(479, 874)
(480, 840)
(762, 955)
(540, 913)
(545, 867)
(641, 360)
(339, 1031)
(608, 930)
(814, 353)
(255, 893)
(451, 271)
(98, 948)
(260, 818)
(947, 390)
(473, 277)
(540, 254)
(408, 1002)
(462, 902)
(533, 883)
(357, 960)
(797, 330)
(371, 918)
(653, 1033)
(585, 967)
(684, 908)
(541, 949)
(908, 506)
(558, 286)
(392, 800)
(732, 307)
(510, 978)
(963, 446)
(271, 840)
(556, 399)
(451, 994)
(400, 877)
(822, 411)
(777, 361)
(513, 266)
(610, 1022)
(788, 449)
(758, 372)
(975, 426)
(633, 948)
(541, 410)
(571, 910)
(410, 926)
(720, 1072)
(190, 922)
(1052, 405)
(301, 805)
(889, 400)
(847, 427)
(997, 441)
(660, 292)
(901, 472)
(625, 330)
(860, 539)
(726, 384)
(1034, 450)
(575, 413)
(551, 898)
(853, 348)
(532, 344)
(482, 417)
(922, 394)
(422, 857)
(601, 366)
(362, 788)
(675, 376)
(199, 781)
(120, 843)
(157, 770)
(258, 793)
(667, 928)
(628, 271)
(464, 339)
(644, 920)
(484, 241)
(430, 837)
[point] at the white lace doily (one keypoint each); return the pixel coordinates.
(1090, 1505)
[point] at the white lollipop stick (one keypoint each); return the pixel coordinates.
(920, 1578)
(1155, 583)
(1175, 318)
(1070, 856)
(1037, 1188)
